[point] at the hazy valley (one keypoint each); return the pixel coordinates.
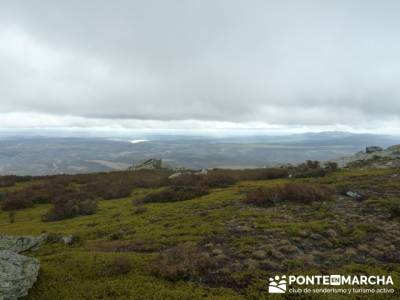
(35, 155)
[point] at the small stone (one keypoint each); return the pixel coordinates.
(326, 244)
(276, 254)
(297, 240)
(354, 195)
(224, 271)
(331, 233)
(244, 228)
(363, 248)
(360, 259)
(318, 254)
(68, 239)
(205, 255)
(303, 233)
(202, 172)
(175, 175)
(259, 254)
(217, 252)
(375, 253)
(221, 257)
(289, 249)
(336, 258)
(307, 260)
(270, 265)
(209, 245)
(236, 265)
(350, 252)
(251, 264)
(316, 236)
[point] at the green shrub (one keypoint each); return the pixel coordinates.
(273, 173)
(331, 166)
(185, 180)
(118, 266)
(10, 180)
(214, 179)
(218, 180)
(69, 206)
(291, 192)
(252, 174)
(40, 193)
(112, 190)
(263, 197)
(309, 169)
(175, 193)
(16, 200)
(305, 193)
(309, 173)
(183, 262)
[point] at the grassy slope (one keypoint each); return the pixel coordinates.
(77, 272)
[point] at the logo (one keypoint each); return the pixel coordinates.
(277, 284)
(280, 284)
(335, 280)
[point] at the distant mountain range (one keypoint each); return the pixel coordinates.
(43, 155)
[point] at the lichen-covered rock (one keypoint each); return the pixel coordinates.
(175, 175)
(18, 273)
(354, 195)
(20, 244)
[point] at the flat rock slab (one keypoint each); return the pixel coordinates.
(18, 273)
(20, 244)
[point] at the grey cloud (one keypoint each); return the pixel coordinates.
(278, 62)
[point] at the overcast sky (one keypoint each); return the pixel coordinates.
(201, 64)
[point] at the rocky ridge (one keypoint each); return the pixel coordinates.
(376, 156)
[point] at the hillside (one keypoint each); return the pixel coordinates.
(147, 235)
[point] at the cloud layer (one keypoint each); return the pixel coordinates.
(130, 63)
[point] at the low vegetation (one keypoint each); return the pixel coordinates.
(11, 180)
(74, 195)
(175, 193)
(313, 169)
(120, 265)
(184, 262)
(290, 192)
(238, 228)
(69, 206)
(14, 200)
(218, 180)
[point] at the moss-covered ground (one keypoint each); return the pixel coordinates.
(339, 236)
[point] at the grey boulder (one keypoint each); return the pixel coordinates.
(18, 273)
(20, 244)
